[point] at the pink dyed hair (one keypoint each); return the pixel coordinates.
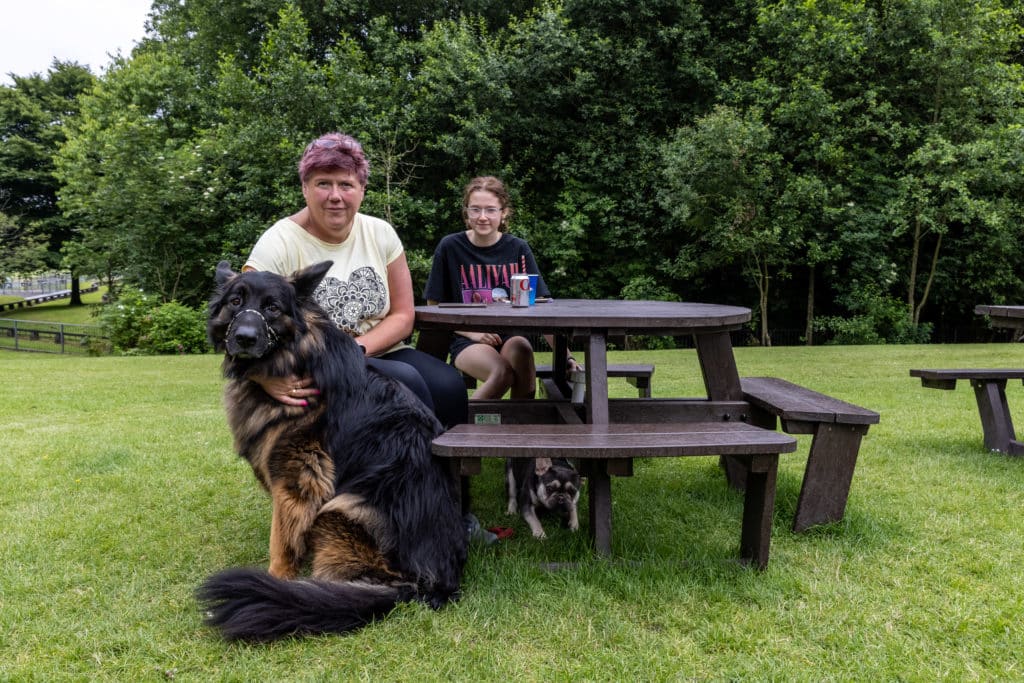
(335, 152)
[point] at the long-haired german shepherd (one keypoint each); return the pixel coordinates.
(353, 485)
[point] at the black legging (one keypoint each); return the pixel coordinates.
(438, 384)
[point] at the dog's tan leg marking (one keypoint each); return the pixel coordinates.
(346, 542)
(296, 499)
(355, 508)
(287, 545)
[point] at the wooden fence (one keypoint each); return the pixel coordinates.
(43, 337)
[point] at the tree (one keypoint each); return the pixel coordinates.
(958, 99)
(780, 154)
(33, 116)
(136, 182)
(720, 180)
(892, 119)
(24, 249)
(596, 87)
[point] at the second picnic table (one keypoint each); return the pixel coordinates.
(1010, 317)
(989, 384)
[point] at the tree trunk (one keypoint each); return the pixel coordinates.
(76, 289)
(931, 278)
(762, 290)
(915, 252)
(809, 331)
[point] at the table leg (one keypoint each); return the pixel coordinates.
(597, 378)
(758, 508)
(996, 423)
(559, 367)
(718, 365)
(599, 488)
(722, 382)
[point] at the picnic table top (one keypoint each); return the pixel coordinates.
(1002, 315)
(573, 314)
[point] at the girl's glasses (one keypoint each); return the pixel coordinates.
(475, 211)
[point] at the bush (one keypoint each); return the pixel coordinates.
(125, 318)
(860, 329)
(175, 328)
(138, 323)
(645, 287)
(878, 319)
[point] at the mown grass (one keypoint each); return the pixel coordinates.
(58, 311)
(120, 493)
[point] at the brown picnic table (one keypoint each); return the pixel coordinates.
(605, 435)
(1010, 317)
(989, 385)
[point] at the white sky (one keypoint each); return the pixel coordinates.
(34, 32)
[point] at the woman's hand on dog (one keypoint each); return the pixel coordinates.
(290, 390)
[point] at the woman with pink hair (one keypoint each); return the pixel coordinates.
(368, 290)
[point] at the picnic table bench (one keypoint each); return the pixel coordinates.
(837, 428)
(605, 450)
(637, 374)
(990, 393)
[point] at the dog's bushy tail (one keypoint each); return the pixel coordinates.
(250, 604)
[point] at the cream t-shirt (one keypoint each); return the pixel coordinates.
(354, 293)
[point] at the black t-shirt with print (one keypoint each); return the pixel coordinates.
(464, 273)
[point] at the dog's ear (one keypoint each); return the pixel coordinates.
(541, 465)
(224, 272)
(306, 280)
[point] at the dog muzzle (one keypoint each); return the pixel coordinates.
(249, 335)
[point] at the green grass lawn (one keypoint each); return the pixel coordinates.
(58, 311)
(120, 493)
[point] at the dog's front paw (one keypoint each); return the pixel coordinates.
(283, 570)
(512, 509)
(530, 517)
(573, 522)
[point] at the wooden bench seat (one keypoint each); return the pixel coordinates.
(989, 386)
(608, 450)
(838, 428)
(637, 374)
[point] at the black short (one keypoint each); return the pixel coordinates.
(459, 344)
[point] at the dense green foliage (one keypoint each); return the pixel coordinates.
(785, 155)
(136, 322)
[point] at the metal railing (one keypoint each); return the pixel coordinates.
(35, 284)
(43, 337)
